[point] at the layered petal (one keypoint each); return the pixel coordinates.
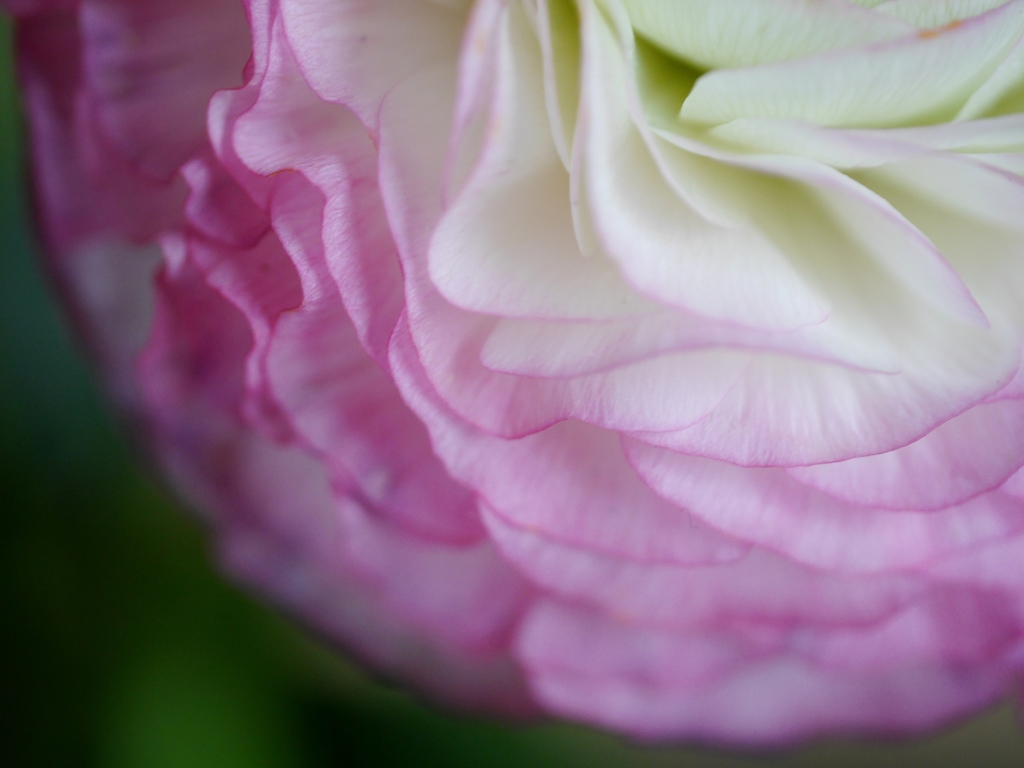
(651, 364)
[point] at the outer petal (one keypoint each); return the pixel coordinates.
(328, 391)
(87, 193)
(569, 480)
(348, 51)
(221, 300)
(323, 535)
(150, 68)
(972, 453)
(721, 689)
(768, 507)
(759, 587)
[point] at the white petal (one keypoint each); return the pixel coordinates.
(738, 33)
(506, 244)
(663, 245)
(935, 13)
(924, 77)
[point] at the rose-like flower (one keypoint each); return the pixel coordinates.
(644, 362)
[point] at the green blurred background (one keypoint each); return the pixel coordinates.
(123, 648)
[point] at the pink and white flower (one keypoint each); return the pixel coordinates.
(647, 363)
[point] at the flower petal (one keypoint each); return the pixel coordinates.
(348, 50)
(770, 508)
(741, 33)
(661, 686)
(151, 67)
(969, 454)
(664, 246)
(922, 77)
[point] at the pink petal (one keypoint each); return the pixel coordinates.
(767, 507)
(347, 50)
(439, 617)
(347, 409)
(660, 685)
(757, 587)
(969, 454)
(570, 480)
(151, 66)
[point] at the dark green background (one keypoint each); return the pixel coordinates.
(122, 648)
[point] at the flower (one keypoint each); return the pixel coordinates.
(646, 363)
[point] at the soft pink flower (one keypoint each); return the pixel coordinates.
(647, 363)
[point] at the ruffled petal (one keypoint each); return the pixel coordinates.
(354, 51)
(495, 371)
(593, 498)
(664, 246)
(482, 256)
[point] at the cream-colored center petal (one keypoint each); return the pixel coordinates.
(648, 181)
